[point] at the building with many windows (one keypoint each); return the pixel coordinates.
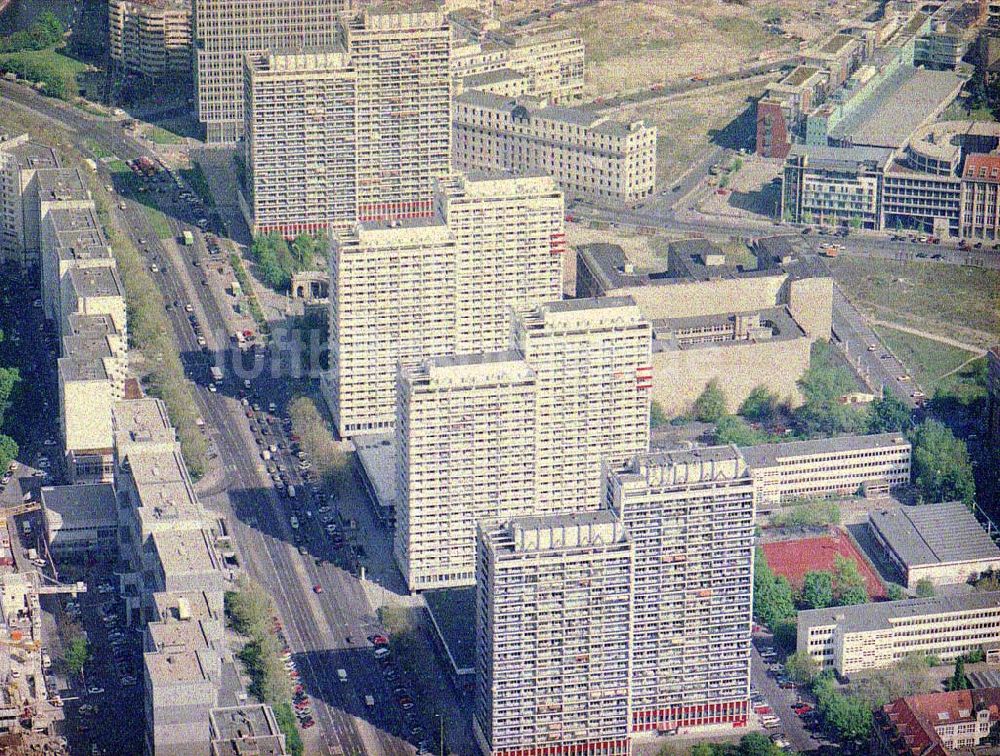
(690, 517)
(225, 30)
(553, 636)
(980, 200)
(516, 433)
(420, 288)
(466, 437)
(21, 160)
(403, 137)
(590, 155)
(855, 638)
(299, 147)
(151, 37)
(841, 466)
(591, 359)
(936, 724)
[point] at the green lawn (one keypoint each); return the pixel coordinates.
(161, 226)
(927, 360)
(162, 136)
(100, 152)
(58, 65)
(950, 300)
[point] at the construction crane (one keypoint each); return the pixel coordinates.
(18, 509)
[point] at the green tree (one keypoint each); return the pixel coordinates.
(942, 470)
(711, 405)
(801, 667)
(9, 380)
(895, 592)
(772, 594)
(924, 588)
(760, 405)
(657, 416)
(8, 451)
(889, 415)
(77, 655)
(733, 429)
(704, 749)
(846, 574)
(855, 594)
(817, 590)
(958, 680)
(757, 744)
(850, 717)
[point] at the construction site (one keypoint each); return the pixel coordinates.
(30, 705)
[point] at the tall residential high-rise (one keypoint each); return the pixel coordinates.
(553, 636)
(224, 30)
(438, 286)
(392, 298)
(690, 517)
(151, 37)
(466, 430)
(403, 108)
(512, 243)
(592, 359)
(299, 142)
(487, 436)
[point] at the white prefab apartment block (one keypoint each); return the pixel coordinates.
(843, 466)
(511, 245)
(466, 438)
(299, 146)
(412, 289)
(403, 108)
(591, 359)
(392, 298)
(20, 213)
(224, 30)
(151, 37)
(689, 515)
(553, 636)
(590, 155)
(855, 638)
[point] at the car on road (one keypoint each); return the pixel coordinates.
(317, 588)
(95, 690)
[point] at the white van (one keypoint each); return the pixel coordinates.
(342, 675)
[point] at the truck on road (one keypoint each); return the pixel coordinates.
(216, 372)
(187, 238)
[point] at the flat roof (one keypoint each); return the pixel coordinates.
(452, 610)
(86, 347)
(842, 158)
(783, 328)
(82, 369)
(534, 108)
(185, 552)
(62, 185)
(934, 534)
(900, 104)
(492, 77)
(245, 730)
(880, 615)
(91, 326)
(99, 281)
(31, 155)
(143, 421)
(80, 506)
(836, 44)
(174, 668)
(767, 455)
(800, 75)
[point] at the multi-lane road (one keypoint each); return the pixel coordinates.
(317, 624)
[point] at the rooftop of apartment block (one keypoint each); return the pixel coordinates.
(290, 62)
(768, 455)
(185, 552)
(91, 326)
(184, 605)
(881, 615)
(845, 159)
(62, 185)
(528, 108)
(82, 369)
(691, 465)
(800, 75)
(80, 506)
(86, 347)
(934, 534)
(30, 155)
(245, 730)
(99, 281)
(174, 668)
(143, 421)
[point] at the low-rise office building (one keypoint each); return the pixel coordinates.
(856, 638)
(841, 466)
(590, 155)
(151, 37)
(690, 516)
(943, 543)
(80, 520)
(553, 636)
